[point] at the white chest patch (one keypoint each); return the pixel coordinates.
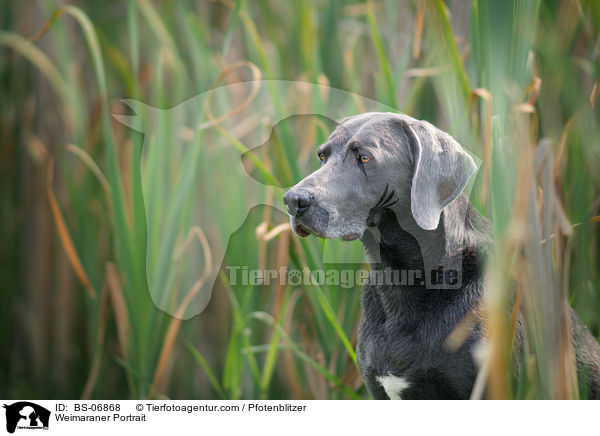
(393, 385)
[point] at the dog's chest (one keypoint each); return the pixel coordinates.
(385, 365)
(398, 369)
(408, 359)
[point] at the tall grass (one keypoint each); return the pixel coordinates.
(83, 204)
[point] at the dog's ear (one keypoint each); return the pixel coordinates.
(441, 171)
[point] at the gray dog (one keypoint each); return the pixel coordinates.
(397, 184)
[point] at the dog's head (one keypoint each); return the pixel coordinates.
(374, 161)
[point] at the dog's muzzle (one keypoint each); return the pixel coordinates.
(298, 202)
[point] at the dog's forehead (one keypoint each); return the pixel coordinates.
(373, 128)
(347, 129)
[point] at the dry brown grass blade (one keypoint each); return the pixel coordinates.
(260, 232)
(262, 228)
(487, 360)
(276, 231)
(36, 149)
(425, 72)
(325, 87)
(534, 90)
(595, 92)
(528, 129)
(119, 307)
(487, 151)
(481, 380)
(89, 162)
(267, 212)
(565, 226)
(65, 237)
(462, 330)
(47, 25)
(307, 131)
(256, 76)
(538, 271)
(171, 335)
(496, 300)
(360, 9)
(561, 148)
(499, 339)
(416, 51)
(101, 330)
(352, 377)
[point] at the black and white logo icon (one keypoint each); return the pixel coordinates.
(26, 415)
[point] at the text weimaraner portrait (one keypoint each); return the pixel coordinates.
(397, 184)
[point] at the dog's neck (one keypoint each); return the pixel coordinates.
(396, 242)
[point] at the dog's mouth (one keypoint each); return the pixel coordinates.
(303, 230)
(299, 229)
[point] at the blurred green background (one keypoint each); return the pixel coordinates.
(76, 315)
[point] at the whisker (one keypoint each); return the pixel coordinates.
(383, 195)
(389, 197)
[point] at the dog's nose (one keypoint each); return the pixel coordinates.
(298, 201)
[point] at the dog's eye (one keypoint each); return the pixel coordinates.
(364, 158)
(321, 156)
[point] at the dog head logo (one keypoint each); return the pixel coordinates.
(203, 170)
(26, 415)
